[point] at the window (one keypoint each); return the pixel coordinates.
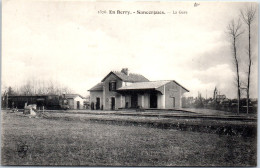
(112, 86)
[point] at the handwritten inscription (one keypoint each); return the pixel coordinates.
(196, 4)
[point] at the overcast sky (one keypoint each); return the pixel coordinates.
(70, 43)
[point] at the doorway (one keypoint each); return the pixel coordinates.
(113, 102)
(78, 105)
(134, 101)
(98, 103)
(153, 100)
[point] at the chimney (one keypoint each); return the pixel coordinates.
(125, 71)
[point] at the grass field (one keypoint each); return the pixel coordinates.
(88, 143)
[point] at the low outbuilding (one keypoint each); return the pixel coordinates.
(75, 101)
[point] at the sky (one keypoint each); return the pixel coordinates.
(70, 43)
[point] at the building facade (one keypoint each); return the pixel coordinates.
(123, 90)
(75, 101)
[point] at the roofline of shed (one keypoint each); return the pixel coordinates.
(74, 97)
(139, 90)
(163, 85)
(181, 86)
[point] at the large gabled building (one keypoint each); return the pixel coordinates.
(126, 90)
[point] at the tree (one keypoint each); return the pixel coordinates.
(199, 101)
(248, 16)
(39, 87)
(6, 92)
(234, 31)
(10, 91)
(26, 89)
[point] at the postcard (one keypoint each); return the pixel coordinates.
(129, 83)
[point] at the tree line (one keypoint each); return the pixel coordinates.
(37, 87)
(235, 31)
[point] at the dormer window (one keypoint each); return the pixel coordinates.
(112, 86)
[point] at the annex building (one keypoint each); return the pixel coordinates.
(74, 101)
(126, 90)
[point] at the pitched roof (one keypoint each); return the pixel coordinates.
(128, 78)
(181, 86)
(148, 85)
(144, 85)
(72, 96)
(97, 87)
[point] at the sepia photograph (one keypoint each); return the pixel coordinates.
(129, 83)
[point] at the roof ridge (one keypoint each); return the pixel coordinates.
(136, 74)
(131, 77)
(155, 81)
(116, 71)
(160, 80)
(129, 73)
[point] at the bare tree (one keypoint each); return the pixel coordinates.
(27, 89)
(248, 16)
(234, 31)
(39, 87)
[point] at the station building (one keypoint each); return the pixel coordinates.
(119, 90)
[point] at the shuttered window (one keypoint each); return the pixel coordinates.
(112, 86)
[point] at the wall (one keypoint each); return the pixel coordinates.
(128, 100)
(122, 101)
(139, 100)
(81, 102)
(160, 101)
(173, 90)
(146, 100)
(94, 95)
(71, 103)
(143, 100)
(109, 94)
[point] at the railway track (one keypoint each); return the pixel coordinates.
(174, 114)
(226, 125)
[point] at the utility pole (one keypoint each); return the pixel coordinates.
(206, 94)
